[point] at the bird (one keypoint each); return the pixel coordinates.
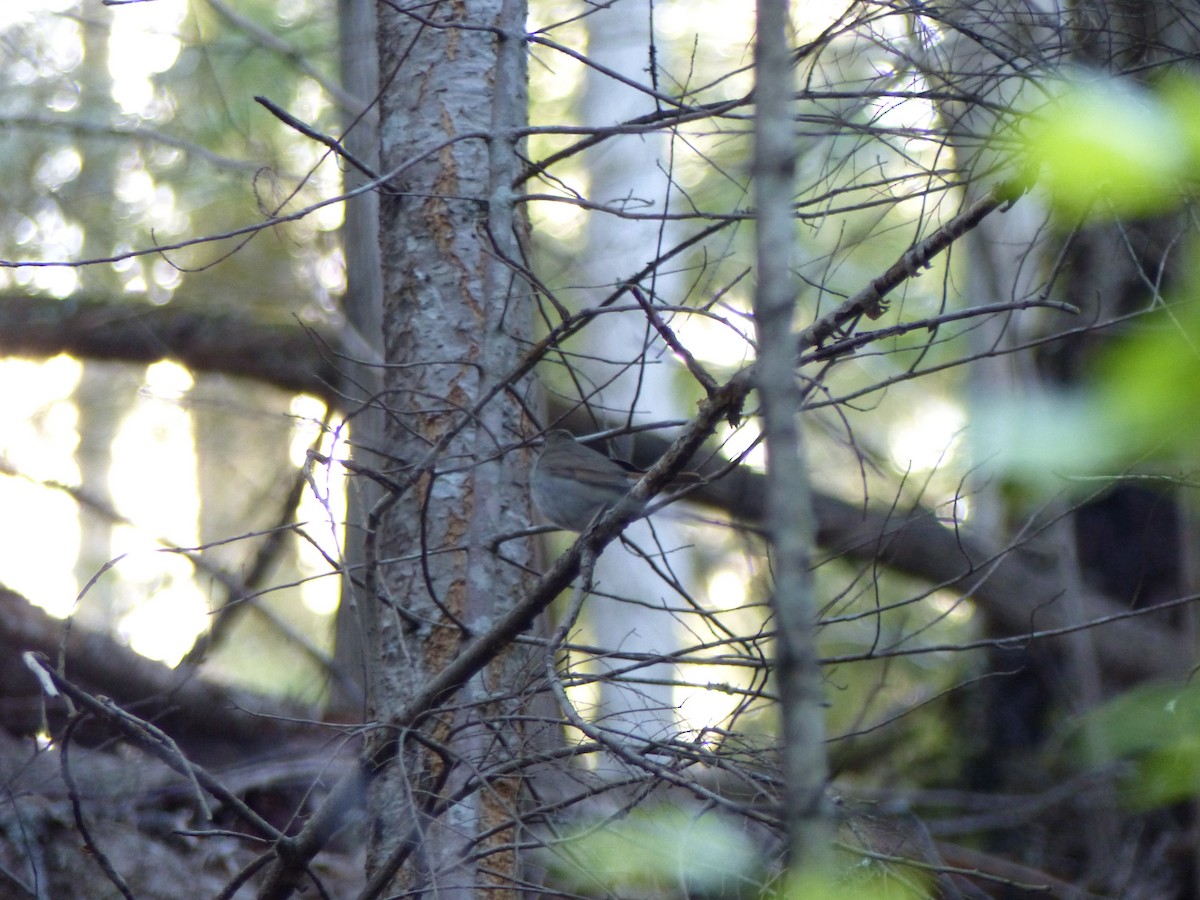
(573, 484)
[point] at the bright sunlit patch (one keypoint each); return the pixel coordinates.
(322, 506)
(59, 281)
(142, 43)
(310, 100)
(321, 592)
(905, 113)
(153, 482)
(721, 343)
(712, 697)
(64, 101)
(164, 213)
(956, 511)
(55, 45)
(307, 412)
(331, 217)
(563, 220)
(134, 187)
(927, 437)
(55, 239)
(683, 19)
(14, 12)
(35, 405)
(41, 537)
(153, 475)
(734, 444)
(331, 272)
(727, 589)
(166, 380)
(40, 544)
(165, 275)
(167, 611)
(58, 167)
(585, 697)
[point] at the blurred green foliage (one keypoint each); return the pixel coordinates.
(667, 851)
(867, 881)
(1149, 383)
(1104, 148)
(656, 851)
(1154, 731)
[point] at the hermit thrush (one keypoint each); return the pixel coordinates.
(572, 484)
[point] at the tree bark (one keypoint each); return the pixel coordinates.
(455, 318)
(362, 382)
(790, 519)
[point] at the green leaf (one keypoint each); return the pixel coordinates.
(1150, 383)
(1181, 96)
(1104, 147)
(654, 850)
(1156, 730)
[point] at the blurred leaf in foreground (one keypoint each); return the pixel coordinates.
(1104, 147)
(1156, 730)
(658, 851)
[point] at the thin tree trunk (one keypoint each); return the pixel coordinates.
(637, 386)
(363, 307)
(790, 519)
(102, 396)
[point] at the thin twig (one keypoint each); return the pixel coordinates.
(320, 137)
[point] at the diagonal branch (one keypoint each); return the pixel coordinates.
(870, 301)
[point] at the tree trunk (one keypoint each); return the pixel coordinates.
(363, 342)
(629, 612)
(455, 317)
(103, 394)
